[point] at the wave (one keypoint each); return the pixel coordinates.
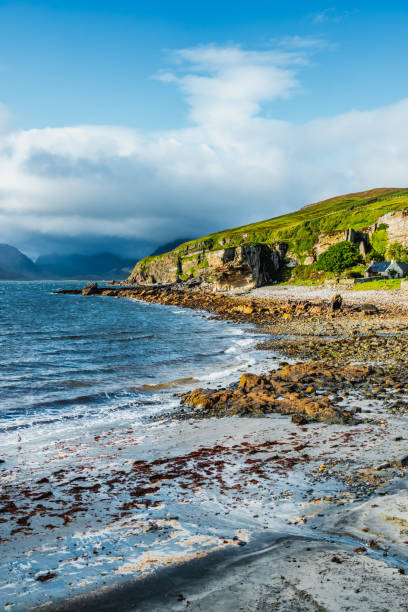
(101, 363)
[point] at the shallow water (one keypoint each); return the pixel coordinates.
(68, 363)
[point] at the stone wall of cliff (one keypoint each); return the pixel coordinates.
(397, 229)
(241, 267)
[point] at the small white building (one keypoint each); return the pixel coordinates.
(386, 269)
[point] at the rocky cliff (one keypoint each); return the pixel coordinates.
(241, 267)
(253, 255)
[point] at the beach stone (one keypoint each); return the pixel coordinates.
(336, 302)
(249, 380)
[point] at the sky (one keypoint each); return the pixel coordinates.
(124, 125)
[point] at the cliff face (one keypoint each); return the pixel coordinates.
(325, 241)
(261, 253)
(245, 266)
(161, 269)
(397, 229)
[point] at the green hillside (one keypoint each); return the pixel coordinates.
(299, 230)
(302, 228)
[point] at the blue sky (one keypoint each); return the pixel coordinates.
(125, 122)
(75, 62)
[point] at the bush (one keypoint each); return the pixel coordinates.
(354, 274)
(303, 272)
(396, 251)
(379, 240)
(374, 255)
(339, 257)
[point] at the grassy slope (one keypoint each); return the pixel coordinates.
(389, 284)
(302, 228)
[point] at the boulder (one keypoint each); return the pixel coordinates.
(369, 309)
(90, 289)
(336, 302)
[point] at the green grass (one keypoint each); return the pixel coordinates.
(388, 284)
(301, 228)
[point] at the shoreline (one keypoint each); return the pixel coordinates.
(239, 482)
(201, 584)
(299, 316)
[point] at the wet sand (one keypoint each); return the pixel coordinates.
(220, 534)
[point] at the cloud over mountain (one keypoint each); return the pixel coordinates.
(230, 166)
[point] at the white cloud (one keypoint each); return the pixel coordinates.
(331, 15)
(301, 42)
(229, 84)
(230, 167)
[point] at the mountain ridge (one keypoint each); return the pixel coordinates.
(14, 265)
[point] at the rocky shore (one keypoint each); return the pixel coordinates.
(317, 481)
(334, 340)
(243, 308)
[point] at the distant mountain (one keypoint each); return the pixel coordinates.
(169, 246)
(14, 265)
(75, 266)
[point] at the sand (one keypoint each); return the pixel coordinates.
(184, 549)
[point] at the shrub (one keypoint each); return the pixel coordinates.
(339, 257)
(303, 272)
(374, 255)
(203, 264)
(354, 274)
(396, 251)
(379, 240)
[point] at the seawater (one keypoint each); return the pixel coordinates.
(70, 363)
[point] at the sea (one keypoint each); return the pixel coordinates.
(70, 364)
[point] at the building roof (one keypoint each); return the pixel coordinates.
(382, 266)
(379, 266)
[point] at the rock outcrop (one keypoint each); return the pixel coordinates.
(286, 391)
(163, 269)
(397, 226)
(90, 289)
(245, 267)
(350, 235)
(240, 267)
